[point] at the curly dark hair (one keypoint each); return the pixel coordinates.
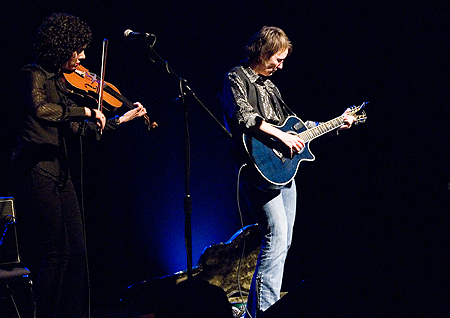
(60, 35)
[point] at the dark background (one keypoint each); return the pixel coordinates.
(373, 203)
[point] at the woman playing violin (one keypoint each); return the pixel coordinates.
(46, 202)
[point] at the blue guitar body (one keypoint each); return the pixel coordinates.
(272, 159)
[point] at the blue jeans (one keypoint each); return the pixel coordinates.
(275, 212)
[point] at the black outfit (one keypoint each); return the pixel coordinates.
(48, 209)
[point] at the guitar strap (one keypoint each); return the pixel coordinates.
(283, 104)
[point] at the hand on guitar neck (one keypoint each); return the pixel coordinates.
(348, 118)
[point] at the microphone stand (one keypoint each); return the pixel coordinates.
(184, 89)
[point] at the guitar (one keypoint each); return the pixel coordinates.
(273, 159)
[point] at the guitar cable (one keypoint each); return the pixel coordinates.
(244, 305)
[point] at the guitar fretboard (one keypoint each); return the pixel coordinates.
(322, 129)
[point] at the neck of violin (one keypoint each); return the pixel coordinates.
(118, 96)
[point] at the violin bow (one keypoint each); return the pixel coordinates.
(102, 81)
(102, 75)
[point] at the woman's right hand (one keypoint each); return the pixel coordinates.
(293, 142)
(96, 116)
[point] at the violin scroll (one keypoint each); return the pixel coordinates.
(151, 125)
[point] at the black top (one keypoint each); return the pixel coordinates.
(48, 117)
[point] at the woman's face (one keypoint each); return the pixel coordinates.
(268, 67)
(74, 61)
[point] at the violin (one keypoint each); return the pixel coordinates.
(85, 83)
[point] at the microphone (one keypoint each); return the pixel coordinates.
(130, 35)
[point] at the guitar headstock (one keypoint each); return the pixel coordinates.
(359, 113)
(360, 119)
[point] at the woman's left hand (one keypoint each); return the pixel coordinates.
(348, 120)
(139, 111)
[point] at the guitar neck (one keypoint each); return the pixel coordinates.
(322, 129)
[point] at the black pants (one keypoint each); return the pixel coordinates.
(52, 237)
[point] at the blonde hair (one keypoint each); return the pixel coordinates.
(267, 42)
